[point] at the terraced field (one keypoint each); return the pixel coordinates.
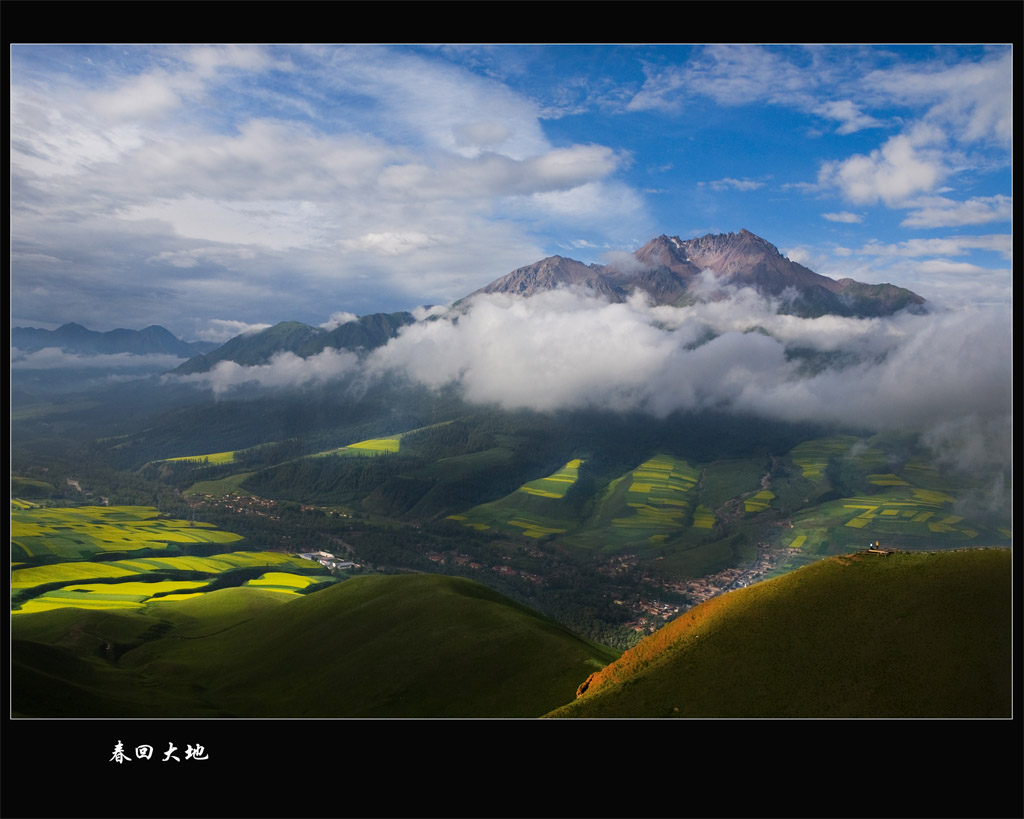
(656, 501)
(533, 510)
(554, 486)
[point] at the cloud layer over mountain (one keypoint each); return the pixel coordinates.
(947, 371)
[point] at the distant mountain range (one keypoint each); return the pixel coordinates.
(253, 349)
(669, 270)
(74, 338)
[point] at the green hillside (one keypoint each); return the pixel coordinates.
(374, 646)
(908, 635)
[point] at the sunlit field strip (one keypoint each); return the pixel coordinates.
(759, 502)
(212, 458)
(84, 571)
(282, 579)
(43, 604)
(703, 518)
(130, 594)
(556, 485)
(65, 572)
(79, 531)
(136, 587)
(377, 445)
(887, 480)
(812, 456)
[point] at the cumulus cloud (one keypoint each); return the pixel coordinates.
(562, 350)
(368, 171)
(905, 166)
(284, 369)
(540, 353)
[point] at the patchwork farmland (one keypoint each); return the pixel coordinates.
(647, 506)
(84, 531)
(54, 572)
(911, 506)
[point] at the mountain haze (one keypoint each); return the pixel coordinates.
(74, 338)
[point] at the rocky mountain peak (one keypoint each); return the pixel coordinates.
(666, 267)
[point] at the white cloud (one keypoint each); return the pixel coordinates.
(903, 167)
(538, 353)
(949, 246)
(391, 243)
(224, 329)
(141, 97)
(728, 74)
(735, 184)
(562, 350)
(845, 217)
(339, 318)
(163, 89)
(850, 116)
(974, 100)
(942, 266)
(938, 211)
(284, 370)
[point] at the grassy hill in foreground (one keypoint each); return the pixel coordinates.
(908, 635)
(373, 646)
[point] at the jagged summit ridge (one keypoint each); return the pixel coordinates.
(667, 266)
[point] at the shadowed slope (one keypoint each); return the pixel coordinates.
(374, 646)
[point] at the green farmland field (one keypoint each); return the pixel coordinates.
(554, 486)
(912, 505)
(647, 506)
(84, 531)
(376, 446)
(127, 595)
(42, 535)
(533, 510)
(287, 582)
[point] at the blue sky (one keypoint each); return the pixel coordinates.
(214, 188)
